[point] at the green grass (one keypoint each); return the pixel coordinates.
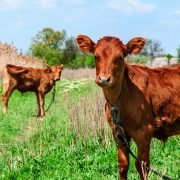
(58, 147)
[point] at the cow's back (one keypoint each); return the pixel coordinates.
(30, 80)
(26, 79)
(160, 86)
(161, 89)
(165, 92)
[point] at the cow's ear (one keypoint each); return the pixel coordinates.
(85, 44)
(135, 45)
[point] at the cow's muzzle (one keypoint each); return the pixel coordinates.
(103, 80)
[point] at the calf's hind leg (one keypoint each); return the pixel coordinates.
(7, 91)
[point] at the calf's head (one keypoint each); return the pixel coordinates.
(56, 71)
(109, 53)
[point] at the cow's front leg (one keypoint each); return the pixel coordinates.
(123, 157)
(143, 146)
(41, 96)
(123, 162)
(38, 103)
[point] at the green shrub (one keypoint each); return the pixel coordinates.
(81, 61)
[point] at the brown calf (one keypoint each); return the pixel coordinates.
(148, 98)
(26, 79)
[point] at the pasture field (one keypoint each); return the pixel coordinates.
(73, 141)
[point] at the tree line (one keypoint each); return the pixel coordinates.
(55, 47)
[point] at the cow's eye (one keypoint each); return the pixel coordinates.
(96, 57)
(117, 61)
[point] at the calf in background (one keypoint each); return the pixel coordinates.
(26, 79)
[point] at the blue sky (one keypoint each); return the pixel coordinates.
(154, 19)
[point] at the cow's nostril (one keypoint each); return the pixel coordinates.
(108, 79)
(99, 77)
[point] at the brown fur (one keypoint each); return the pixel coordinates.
(148, 98)
(26, 79)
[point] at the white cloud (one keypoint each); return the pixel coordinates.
(47, 3)
(174, 13)
(130, 6)
(171, 19)
(10, 4)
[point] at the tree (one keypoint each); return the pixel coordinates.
(70, 51)
(47, 44)
(178, 54)
(152, 49)
(54, 47)
(48, 36)
(169, 57)
(73, 58)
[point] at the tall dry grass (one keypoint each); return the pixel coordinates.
(86, 117)
(82, 73)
